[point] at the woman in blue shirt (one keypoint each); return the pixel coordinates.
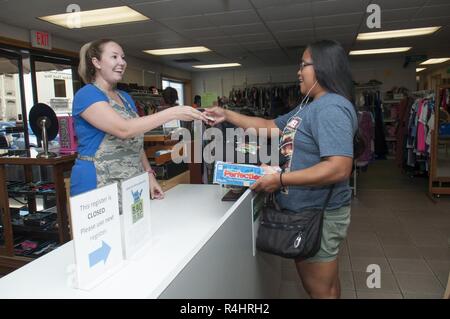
(110, 132)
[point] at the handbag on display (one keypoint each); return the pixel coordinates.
(290, 234)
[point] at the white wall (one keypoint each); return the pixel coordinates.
(388, 71)
(433, 76)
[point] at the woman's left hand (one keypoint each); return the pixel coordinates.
(268, 183)
(156, 191)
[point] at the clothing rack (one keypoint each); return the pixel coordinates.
(247, 85)
(146, 102)
(422, 93)
(439, 177)
(269, 99)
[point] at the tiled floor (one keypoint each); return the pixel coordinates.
(396, 226)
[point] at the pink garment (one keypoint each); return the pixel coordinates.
(421, 138)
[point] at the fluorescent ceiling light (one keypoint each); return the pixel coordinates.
(380, 51)
(420, 69)
(84, 19)
(435, 61)
(396, 33)
(178, 50)
(213, 66)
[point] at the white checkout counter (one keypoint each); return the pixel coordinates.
(201, 247)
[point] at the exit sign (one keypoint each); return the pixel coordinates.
(41, 39)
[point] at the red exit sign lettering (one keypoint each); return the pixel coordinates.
(41, 39)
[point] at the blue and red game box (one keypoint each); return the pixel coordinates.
(236, 174)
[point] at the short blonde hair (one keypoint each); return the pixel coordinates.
(86, 68)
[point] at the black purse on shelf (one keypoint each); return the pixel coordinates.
(289, 234)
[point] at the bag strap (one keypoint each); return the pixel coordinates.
(328, 198)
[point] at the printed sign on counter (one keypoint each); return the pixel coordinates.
(136, 213)
(96, 235)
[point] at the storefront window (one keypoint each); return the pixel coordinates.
(10, 103)
(54, 86)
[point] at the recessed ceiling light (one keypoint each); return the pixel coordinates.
(213, 66)
(178, 50)
(435, 61)
(380, 51)
(420, 69)
(397, 33)
(90, 18)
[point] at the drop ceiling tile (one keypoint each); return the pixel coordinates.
(386, 26)
(338, 20)
(203, 33)
(419, 22)
(255, 46)
(274, 3)
(233, 17)
(122, 30)
(398, 14)
(207, 41)
(186, 23)
(180, 8)
(434, 11)
(296, 11)
(331, 31)
(436, 2)
(258, 37)
(344, 39)
(398, 4)
(230, 51)
(143, 1)
(293, 24)
(334, 7)
(294, 34)
(296, 44)
(244, 29)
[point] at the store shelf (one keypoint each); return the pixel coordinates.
(391, 101)
(31, 193)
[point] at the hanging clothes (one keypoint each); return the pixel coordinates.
(381, 148)
(420, 125)
(366, 123)
(402, 131)
(270, 100)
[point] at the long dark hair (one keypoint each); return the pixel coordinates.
(333, 74)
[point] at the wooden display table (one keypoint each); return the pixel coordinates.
(59, 165)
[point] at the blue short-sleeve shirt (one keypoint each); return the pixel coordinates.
(89, 137)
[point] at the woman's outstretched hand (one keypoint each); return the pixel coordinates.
(215, 115)
(187, 113)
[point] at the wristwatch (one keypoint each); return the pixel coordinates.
(151, 171)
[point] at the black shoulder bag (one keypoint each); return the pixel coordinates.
(289, 234)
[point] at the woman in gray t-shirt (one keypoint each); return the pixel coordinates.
(316, 144)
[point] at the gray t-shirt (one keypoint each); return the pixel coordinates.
(323, 128)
